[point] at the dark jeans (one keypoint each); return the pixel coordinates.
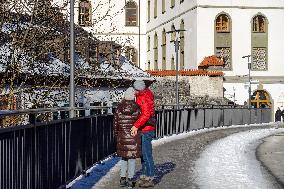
(147, 157)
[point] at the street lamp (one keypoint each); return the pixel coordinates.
(249, 88)
(72, 60)
(177, 70)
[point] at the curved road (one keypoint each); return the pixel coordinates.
(175, 161)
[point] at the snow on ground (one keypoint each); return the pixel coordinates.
(167, 139)
(231, 162)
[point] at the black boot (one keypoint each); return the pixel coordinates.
(130, 183)
(122, 182)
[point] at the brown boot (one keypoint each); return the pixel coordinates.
(141, 179)
(147, 183)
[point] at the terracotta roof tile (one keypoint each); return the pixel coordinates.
(211, 61)
(188, 72)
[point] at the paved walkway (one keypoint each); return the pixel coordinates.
(271, 154)
(175, 161)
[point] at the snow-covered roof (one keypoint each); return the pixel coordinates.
(56, 67)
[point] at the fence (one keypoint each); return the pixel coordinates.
(172, 121)
(47, 155)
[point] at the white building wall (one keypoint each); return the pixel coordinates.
(241, 38)
(185, 11)
(108, 21)
(199, 17)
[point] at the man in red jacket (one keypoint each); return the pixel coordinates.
(145, 99)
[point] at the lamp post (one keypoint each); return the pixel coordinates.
(72, 52)
(177, 69)
(249, 88)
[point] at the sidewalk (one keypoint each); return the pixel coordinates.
(175, 161)
(271, 154)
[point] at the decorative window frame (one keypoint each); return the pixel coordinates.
(127, 24)
(259, 40)
(224, 40)
(83, 13)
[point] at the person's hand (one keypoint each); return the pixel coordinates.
(134, 131)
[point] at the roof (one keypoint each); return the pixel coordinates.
(211, 61)
(188, 72)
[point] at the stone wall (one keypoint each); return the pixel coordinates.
(193, 90)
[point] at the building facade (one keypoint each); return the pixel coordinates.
(122, 22)
(229, 29)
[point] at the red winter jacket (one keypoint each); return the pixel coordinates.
(145, 99)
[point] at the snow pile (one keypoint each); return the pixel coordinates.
(231, 162)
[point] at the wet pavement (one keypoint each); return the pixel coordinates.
(175, 161)
(271, 154)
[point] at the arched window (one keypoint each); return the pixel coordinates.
(261, 99)
(223, 39)
(222, 23)
(155, 8)
(182, 45)
(164, 49)
(131, 54)
(148, 43)
(155, 51)
(85, 13)
(131, 14)
(259, 42)
(259, 24)
(173, 34)
(163, 6)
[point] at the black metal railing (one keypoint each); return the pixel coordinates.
(11, 118)
(173, 121)
(48, 154)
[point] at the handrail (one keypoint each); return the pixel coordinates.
(44, 110)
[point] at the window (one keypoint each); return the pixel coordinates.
(261, 99)
(222, 23)
(149, 10)
(259, 43)
(259, 24)
(223, 39)
(164, 49)
(131, 54)
(131, 13)
(85, 13)
(163, 6)
(148, 43)
(155, 8)
(155, 51)
(173, 2)
(173, 34)
(259, 58)
(173, 63)
(182, 45)
(224, 53)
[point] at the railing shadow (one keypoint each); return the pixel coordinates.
(160, 171)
